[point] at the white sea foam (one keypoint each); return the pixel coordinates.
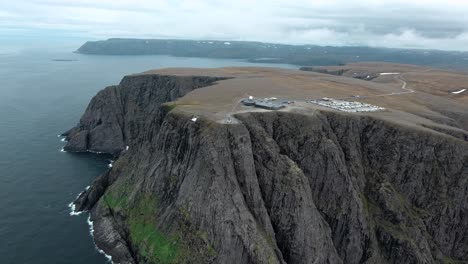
(63, 150)
(72, 209)
(95, 152)
(63, 140)
(91, 227)
(72, 204)
(458, 92)
(90, 224)
(389, 73)
(91, 232)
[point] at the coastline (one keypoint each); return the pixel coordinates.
(73, 212)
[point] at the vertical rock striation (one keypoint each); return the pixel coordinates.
(118, 114)
(277, 187)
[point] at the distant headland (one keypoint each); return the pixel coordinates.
(302, 55)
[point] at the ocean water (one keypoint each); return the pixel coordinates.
(40, 98)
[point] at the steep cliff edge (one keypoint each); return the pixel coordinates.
(276, 187)
(115, 115)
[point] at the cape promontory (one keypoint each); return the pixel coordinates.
(199, 177)
(260, 52)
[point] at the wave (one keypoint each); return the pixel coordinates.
(72, 204)
(90, 224)
(72, 209)
(91, 232)
(95, 152)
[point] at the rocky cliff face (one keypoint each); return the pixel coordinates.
(276, 187)
(116, 115)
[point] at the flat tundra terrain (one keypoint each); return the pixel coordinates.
(410, 94)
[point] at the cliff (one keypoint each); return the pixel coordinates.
(274, 187)
(116, 115)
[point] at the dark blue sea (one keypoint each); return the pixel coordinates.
(43, 92)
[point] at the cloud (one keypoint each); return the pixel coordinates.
(433, 24)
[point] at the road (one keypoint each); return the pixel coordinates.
(404, 85)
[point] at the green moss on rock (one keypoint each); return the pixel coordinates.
(151, 242)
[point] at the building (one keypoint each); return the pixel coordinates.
(248, 102)
(268, 105)
(264, 104)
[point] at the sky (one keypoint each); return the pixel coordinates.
(422, 24)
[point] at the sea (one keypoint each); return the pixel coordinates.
(43, 93)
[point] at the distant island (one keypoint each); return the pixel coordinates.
(64, 60)
(258, 52)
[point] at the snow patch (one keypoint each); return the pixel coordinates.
(389, 73)
(459, 92)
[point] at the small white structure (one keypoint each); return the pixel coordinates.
(194, 119)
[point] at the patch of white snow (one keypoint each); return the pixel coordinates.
(459, 92)
(389, 73)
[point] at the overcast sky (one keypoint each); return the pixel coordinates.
(432, 24)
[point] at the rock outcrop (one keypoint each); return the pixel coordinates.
(114, 118)
(276, 187)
